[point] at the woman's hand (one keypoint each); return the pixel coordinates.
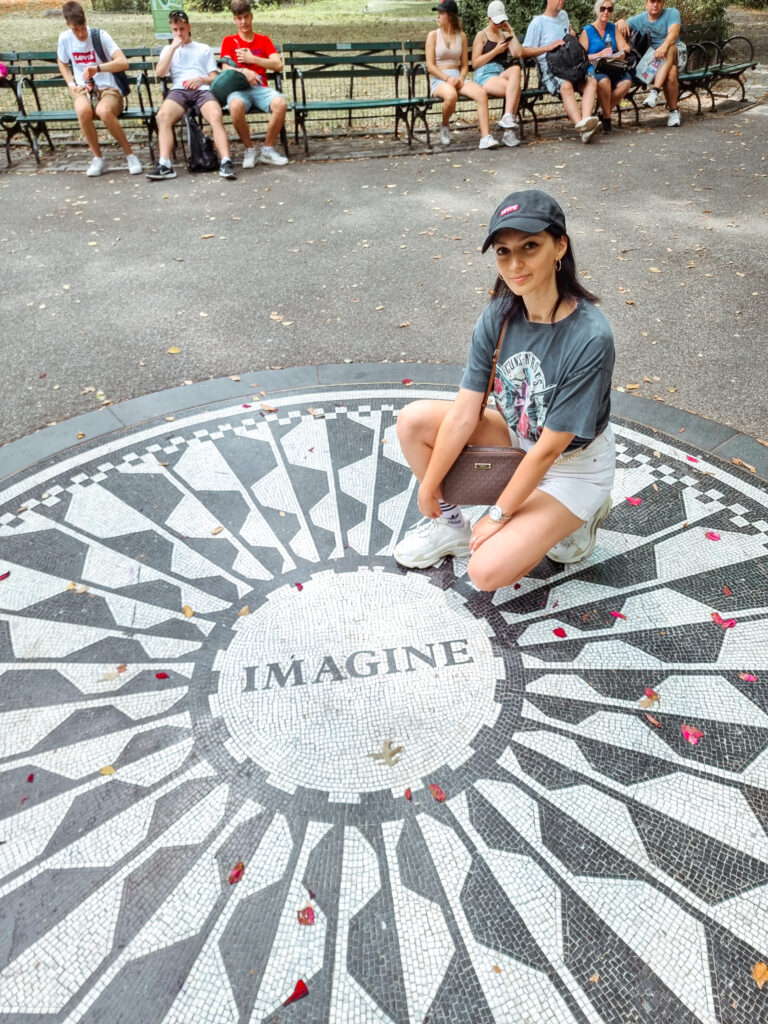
(483, 529)
(607, 51)
(428, 504)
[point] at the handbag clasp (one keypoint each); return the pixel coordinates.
(482, 465)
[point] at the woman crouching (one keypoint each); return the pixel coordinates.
(552, 394)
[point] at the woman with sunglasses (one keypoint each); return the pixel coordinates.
(493, 47)
(552, 388)
(604, 39)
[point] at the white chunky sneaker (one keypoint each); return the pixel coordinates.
(445, 135)
(652, 98)
(581, 543)
(508, 121)
(509, 138)
(95, 167)
(586, 137)
(673, 121)
(430, 540)
(269, 155)
(249, 157)
(587, 124)
(134, 164)
(488, 142)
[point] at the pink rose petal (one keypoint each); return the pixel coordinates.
(711, 535)
(653, 721)
(718, 620)
(691, 733)
(408, 794)
(747, 677)
(559, 631)
(299, 586)
(691, 458)
(436, 792)
(635, 501)
(650, 693)
(617, 615)
(306, 916)
(236, 873)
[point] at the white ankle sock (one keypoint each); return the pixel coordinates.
(451, 514)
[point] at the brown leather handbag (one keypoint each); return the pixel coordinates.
(480, 473)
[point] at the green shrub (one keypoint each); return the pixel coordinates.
(474, 14)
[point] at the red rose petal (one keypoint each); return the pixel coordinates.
(407, 381)
(727, 591)
(617, 615)
(635, 501)
(653, 721)
(299, 992)
(436, 792)
(306, 916)
(515, 586)
(236, 873)
(718, 620)
(559, 631)
(408, 795)
(691, 733)
(711, 535)
(747, 677)
(5, 575)
(299, 586)
(31, 778)
(161, 675)
(691, 458)
(650, 693)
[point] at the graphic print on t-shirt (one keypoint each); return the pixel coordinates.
(519, 389)
(83, 60)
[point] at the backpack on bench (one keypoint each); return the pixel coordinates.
(569, 61)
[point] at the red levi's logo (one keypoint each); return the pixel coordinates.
(509, 209)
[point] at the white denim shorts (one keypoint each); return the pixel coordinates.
(583, 480)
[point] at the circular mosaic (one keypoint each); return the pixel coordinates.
(247, 760)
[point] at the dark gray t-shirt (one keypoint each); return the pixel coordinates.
(555, 375)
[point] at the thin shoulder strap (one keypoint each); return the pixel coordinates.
(493, 367)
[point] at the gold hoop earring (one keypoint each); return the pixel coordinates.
(559, 265)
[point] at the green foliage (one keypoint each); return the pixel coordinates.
(474, 14)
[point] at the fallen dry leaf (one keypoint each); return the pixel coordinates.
(107, 770)
(206, 236)
(744, 465)
(216, 531)
(405, 323)
(496, 969)
(594, 978)
(187, 611)
(173, 350)
(268, 408)
(760, 973)
(245, 610)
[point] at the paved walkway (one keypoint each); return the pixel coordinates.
(245, 757)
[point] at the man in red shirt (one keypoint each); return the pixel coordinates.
(254, 55)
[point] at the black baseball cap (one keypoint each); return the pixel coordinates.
(531, 210)
(447, 6)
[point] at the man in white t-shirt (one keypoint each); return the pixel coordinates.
(192, 67)
(545, 33)
(93, 80)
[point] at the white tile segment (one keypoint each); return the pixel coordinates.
(88, 756)
(701, 697)
(307, 445)
(146, 770)
(275, 490)
(392, 512)
(631, 480)
(746, 916)
(518, 991)
(93, 677)
(358, 479)
(20, 730)
(32, 637)
(691, 552)
(207, 992)
(659, 931)
(97, 512)
(746, 645)
(190, 518)
(391, 447)
(424, 939)
(719, 811)
(297, 950)
(360, 881)
(29, 833)
(203, 468)
(536, 897)
(65, 956)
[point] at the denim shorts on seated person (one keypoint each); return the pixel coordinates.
(552, 83)
(489, 70)
(258, 97)
(435, 82)
(624, 78)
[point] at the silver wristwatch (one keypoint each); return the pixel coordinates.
(497, 516)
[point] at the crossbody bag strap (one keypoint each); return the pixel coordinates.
(493, 367)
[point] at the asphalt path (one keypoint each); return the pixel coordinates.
(377, 259)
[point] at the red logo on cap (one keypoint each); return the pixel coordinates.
(509, 209)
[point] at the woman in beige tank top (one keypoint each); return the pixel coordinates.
(448, 65)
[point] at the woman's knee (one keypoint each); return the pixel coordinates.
(415, 420)
(487, 574)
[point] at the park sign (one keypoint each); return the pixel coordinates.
(160, 11)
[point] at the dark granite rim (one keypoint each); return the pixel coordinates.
(706, 435)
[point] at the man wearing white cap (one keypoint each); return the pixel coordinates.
(495, 69)
(545, 33)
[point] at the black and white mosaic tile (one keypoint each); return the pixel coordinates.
(209, 611)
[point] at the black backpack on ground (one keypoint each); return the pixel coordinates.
(569, 61)
(202, 156)
(119, 76)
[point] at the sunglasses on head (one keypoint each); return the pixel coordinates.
(178, 16)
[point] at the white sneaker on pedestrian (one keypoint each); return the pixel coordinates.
(249, 157)
(508, 121)
(510, 139)
(95, 167)
(445, 135)
(488, 142)
(586, 124)
(673, 121)
(652, 98)
(430, 540)
(269, 155)
(134, 164)
(581, 543)
(586, 137)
